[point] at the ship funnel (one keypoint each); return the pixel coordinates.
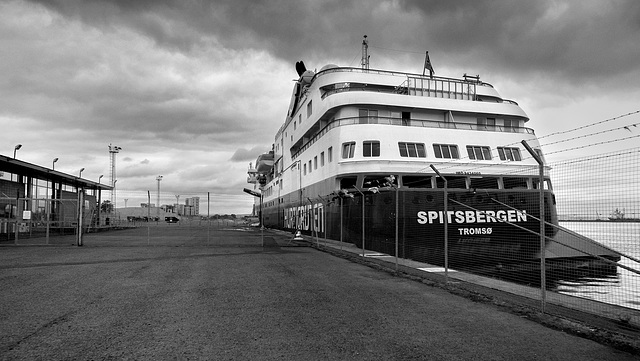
(300, 68)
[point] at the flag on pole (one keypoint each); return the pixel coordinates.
(427, 65)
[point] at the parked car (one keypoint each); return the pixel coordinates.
(171, 219)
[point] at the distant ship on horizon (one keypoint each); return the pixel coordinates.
(619, 216)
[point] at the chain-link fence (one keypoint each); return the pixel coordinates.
(588, 256)
(482, 224)
(35, 220)
(41, 221)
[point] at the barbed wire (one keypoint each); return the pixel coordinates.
(525, 158)
(592, 134)
(589, 125)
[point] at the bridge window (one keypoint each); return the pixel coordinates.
(413, 150)
(371, 148)
(512, 154)
(449, 151)
(368, 116)
(478, 152)
(348, 150)
(511, 125)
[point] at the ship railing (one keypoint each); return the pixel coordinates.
(441, 88)
(409, 123)
(397, 73)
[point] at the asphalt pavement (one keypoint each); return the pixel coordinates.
(238, 294)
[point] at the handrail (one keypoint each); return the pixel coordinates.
(410, 123)
(395, 73)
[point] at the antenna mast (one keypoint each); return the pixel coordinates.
(365, 56)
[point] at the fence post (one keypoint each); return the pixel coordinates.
(340, 199)
(18, 217)
(543, 266)
(397, 195)
(80, 216)
(148, 215)
(362, 194)
(446, 226)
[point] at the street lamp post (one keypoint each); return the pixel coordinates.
(99, 178)
(15, 149)
(53, 164)
(259, 195)
(80, 173)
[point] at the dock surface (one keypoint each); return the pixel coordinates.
(238, 293)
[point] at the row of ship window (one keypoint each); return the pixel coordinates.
(314, 164)
(371, 148)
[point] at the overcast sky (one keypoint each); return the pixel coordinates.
(195, 90)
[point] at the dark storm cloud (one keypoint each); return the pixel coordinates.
(571, 39)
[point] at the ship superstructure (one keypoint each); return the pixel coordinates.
(350, 130)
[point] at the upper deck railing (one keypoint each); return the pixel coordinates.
(408, 123)
(414, 84)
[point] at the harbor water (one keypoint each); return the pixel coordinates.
(621, 289)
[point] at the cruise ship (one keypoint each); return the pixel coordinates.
(389, 139)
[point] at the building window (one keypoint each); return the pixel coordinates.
(413, 150)
(322, 159)
(368, 116)
(315, 162)
(449, 151)
(371, 148)
(348, 150)
(305, 169)
(309, 109)
(330, 154)
(512, 154)
(478, 152)
(300, 118)
(309, 165)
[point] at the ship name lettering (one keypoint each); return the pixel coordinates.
(463, 217)
(474, 231)
(307, 217)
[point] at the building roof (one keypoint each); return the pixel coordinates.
(27, 169)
